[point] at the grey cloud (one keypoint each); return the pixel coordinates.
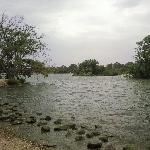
(104, 29)
(127, 3)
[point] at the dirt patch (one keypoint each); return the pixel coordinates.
(3, 83)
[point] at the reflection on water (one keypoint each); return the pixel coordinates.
(119, 105)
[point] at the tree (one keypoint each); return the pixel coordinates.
(73, 68)
(142, 63)
(88, 67)
(18, 42)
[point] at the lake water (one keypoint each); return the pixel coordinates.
(120, 106)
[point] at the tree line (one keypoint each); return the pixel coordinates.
(92, 67)
(138, 69)
(21, 46)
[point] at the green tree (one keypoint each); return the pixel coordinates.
(18, 42)
(142, 63)
(72, 68)
(88, 67)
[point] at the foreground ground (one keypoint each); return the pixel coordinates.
(9, 142)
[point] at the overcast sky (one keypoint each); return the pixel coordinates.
(75, 30)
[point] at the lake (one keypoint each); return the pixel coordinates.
(117, 106)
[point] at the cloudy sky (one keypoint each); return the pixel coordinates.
(75, 30)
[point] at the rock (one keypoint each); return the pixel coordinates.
(65, 127)
(42, 118)
(48, 118)
(12, 117)
(39, 114)
(92, 134)
(73, 117)
(96, 133)
(68, 134)
(109, 147)
(45, 129)
(14, 109)
(6, 103)
(4, 117)
(79, 138)
(31, 120)
(89, 135)
(16, 122)
(1, 111)
(98, 127)
(7, 112)
(58, 121)
(80, 132)
(46, 145)
(104, 139)
(18, 113)
(84, 127)
(41, 123)
(94, 145)
(61, 128)
(72, 126)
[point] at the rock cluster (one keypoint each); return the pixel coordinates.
(11, 113)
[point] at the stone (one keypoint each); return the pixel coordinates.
(41, 123)
(98, 126)
(96, 133)
(89, 135)
(31, 120)
(72, 126)
(18, 113)
(14, 109)
(45, 129)
(12, 117)
(1, 111)
(6, 104)
(48, 118)
(81, 132)
(39, 114)
(69, 133)
(16, 122)
(58, 121)
(94, 145)
(104, 139)
(65, 127)
(84, 127)
(79, 138)
(92, 134)
(4, 117)
(46, 145)
(7, 112)
(61, 128)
